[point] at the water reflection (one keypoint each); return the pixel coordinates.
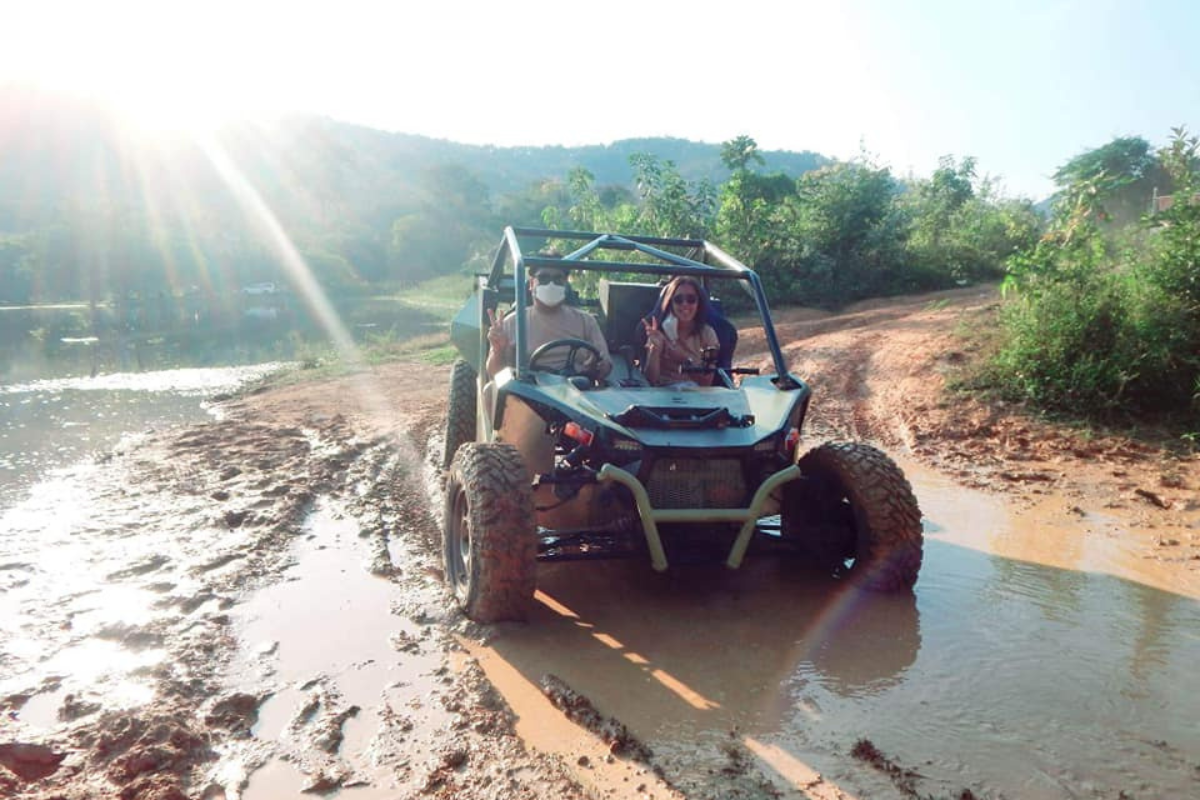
(1012, 678)
(860, 644)
(1033, 678)
(47, 425)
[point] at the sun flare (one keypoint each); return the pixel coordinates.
(162, 110)
(158, 97)
(162, 69)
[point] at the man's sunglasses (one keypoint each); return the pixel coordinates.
(685, 299)
(551, 277)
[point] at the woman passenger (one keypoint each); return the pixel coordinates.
(683, 338)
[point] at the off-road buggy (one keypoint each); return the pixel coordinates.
(549, 464)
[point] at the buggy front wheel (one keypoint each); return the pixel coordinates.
(489, 542)
(855, 508)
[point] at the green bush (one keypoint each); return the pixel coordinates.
(1103, 320)
(1081, 345)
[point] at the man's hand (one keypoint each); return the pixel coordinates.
(497, 338)
(498, 355)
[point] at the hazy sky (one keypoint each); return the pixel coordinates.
(1022, 86)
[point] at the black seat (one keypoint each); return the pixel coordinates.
(624, 306)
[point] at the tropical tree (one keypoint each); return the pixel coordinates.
(960, 230)
(670, 205)
(737, 153)
(1120, 176)
(848, 232)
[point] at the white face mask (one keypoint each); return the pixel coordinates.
(550, 294)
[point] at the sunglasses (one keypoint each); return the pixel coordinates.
(685, 299)
(551, 277)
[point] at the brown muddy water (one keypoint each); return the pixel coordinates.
(1006, 676)
(321, 646)
(1063, 674)
(1020, 667)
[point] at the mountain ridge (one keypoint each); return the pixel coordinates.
(84, 194)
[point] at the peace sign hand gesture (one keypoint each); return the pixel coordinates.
(496, 335)
(655, 338)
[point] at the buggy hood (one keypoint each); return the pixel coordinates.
(681, 416)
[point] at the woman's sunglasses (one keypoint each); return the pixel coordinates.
(685, 299)
(551, 277)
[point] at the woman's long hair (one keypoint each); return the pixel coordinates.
(701, 318)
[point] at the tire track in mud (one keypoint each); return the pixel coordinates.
(219, 507)
(861, 390)
(844, 402)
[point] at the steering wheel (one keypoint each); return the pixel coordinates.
(574, 346)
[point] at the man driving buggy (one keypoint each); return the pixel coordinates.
(547, 319)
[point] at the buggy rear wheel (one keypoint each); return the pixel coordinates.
(460, 411)
(488, 541)
(855, 504)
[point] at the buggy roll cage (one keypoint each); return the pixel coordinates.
(668, 264)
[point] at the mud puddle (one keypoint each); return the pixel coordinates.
(80, 620)
(1001, 674)
(1069, 534)
(332, 674)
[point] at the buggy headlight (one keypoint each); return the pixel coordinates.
(768, 445)
(623, 445)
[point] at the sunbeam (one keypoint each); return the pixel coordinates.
(261, 216)
(297, 270)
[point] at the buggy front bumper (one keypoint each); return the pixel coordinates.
(651, 516)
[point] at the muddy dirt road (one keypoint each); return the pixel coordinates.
(253, 608)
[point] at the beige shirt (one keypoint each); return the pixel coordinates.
(688, 350)
(567, 322)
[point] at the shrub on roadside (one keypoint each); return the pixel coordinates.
(1104, 323)
(1108, 344)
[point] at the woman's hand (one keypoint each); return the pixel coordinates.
(656, 340)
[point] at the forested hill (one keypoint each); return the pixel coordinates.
(89, 206)
(65, 131)
(512, 168)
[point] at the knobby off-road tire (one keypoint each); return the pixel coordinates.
(460, 411)
(489, 537)
(856, 504)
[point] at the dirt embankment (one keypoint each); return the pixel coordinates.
(221, 504)
(880, 370)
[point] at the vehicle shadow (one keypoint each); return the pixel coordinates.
(687, 657)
